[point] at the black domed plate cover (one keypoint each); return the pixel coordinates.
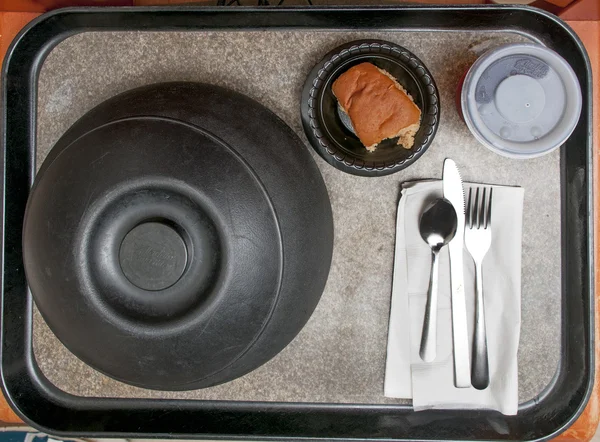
(178, 236)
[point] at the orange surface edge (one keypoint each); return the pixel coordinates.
(585, 10)
(589, 31)
(10, 25)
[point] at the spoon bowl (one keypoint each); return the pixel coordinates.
(438, 223)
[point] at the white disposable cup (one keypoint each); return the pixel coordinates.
(521, 100)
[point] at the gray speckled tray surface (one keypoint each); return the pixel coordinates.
(340, 355)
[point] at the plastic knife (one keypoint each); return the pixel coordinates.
(453, 192)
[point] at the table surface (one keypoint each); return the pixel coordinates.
(589, 31)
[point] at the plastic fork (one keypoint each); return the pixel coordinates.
(478, 237)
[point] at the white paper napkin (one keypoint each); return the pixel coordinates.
(431, 386)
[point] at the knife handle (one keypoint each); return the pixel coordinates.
(460, 335)
(429, 335)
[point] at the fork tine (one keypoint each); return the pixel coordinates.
(482, 211)
(476, 211)
(469, 208)
(488, 217)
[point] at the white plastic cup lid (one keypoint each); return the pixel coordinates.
(521, 100)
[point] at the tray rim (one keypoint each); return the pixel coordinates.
(64, 402)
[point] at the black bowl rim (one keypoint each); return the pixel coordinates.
(319, 76)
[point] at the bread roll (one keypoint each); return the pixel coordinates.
(377, 105)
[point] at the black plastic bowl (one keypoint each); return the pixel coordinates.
(334, 140)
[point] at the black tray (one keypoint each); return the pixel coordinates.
(46, 407)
